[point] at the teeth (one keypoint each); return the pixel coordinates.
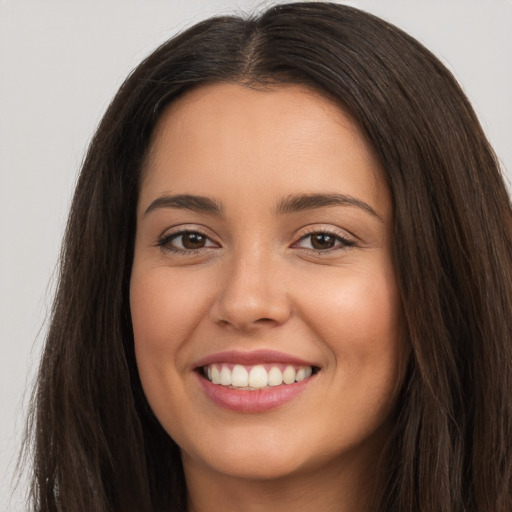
(225, 376)
(300, 375)
(215, 375)
(239, 376)
(256, 377)
(289, 375)
(275, 377)
(303, 373)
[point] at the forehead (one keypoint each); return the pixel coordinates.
(228, 136)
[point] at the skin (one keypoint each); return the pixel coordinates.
(258, 283)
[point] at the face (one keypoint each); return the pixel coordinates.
(263, 296)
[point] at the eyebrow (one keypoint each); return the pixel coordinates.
(187, 202)
(297, 203)
(290, 204)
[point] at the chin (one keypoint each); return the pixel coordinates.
(256, 464)
(249, 453)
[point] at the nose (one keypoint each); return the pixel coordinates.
(252, 294)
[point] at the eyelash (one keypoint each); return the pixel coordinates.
(165, 242)
(343, 243)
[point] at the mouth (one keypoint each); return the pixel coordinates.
(254, 382)
(256, 377)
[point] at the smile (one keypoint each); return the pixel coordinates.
(256, 381)
(238, 376)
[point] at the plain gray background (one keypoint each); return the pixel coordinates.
(60, 64)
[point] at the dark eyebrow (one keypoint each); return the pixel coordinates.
(188, 202)
(297, 203)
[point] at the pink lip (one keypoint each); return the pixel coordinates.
(244, 401)
(251, 358)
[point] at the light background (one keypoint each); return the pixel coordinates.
(60, 64)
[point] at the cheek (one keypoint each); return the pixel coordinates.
(366, 304)
(357, 316)
(165, 309)
(360, 323)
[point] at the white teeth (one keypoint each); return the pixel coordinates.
(215, 375)
(225, 376)
(239, 376)
(256, 377)
(303, 373)
(289, 375)
(300, 375)
(275, 377)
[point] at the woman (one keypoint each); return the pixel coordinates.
(285, 283)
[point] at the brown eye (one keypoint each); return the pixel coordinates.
(193, 240)
(185, 241)
(322, 241)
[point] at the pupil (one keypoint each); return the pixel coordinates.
(193, 241)
(322, 241)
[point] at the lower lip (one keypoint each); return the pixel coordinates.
(242, 400)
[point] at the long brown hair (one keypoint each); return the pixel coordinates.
(98, 447)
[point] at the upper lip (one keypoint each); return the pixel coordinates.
(251, 358)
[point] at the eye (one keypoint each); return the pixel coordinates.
(323, 241)
(185, 241)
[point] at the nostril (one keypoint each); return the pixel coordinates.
(247, 311)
